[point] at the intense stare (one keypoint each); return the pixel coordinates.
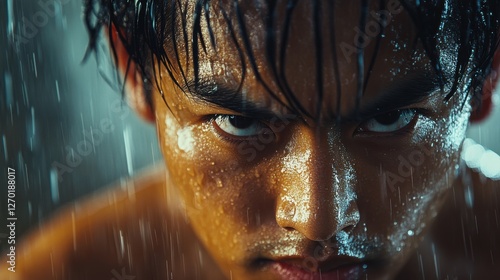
(306, 139)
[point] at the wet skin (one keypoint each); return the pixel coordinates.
(139, 228)
(314, 182)
(265, 197)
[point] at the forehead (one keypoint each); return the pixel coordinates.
(314, 51)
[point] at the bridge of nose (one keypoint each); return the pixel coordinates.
(317, 196)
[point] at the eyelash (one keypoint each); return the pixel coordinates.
(231, 138)
(405, 130)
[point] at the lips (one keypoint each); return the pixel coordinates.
(333, 269)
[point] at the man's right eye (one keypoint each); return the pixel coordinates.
(238, 126)
(390, 122)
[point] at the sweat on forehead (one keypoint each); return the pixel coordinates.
(267, 38)
(305, 57)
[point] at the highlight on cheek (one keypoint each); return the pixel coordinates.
(457, 123)
(170, 126)
(174, 134)
(185, 139)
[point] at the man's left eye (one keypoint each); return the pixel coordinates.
(389, 122)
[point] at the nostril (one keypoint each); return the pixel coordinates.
(289, 228)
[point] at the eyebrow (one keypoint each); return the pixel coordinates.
(408, 91)
(225, 97)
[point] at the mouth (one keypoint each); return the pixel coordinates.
(292, 272)
(338, 268)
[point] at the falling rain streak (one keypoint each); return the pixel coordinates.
(54, 108)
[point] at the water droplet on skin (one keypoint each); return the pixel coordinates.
(197, 200)
(289, 208)
(218, 182)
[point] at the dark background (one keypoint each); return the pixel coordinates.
(49, 103)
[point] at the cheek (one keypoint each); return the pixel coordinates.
(215, 189)
(180, 147)
(405, 186)
(456, 126)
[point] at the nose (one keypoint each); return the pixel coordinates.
(317, 195)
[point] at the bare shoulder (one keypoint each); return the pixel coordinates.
(464, 242)
(133, 230)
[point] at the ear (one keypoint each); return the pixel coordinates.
(135, 93)
(483, 110)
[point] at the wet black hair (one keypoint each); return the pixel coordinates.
(155, 32)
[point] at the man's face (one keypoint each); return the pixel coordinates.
(268, 190)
